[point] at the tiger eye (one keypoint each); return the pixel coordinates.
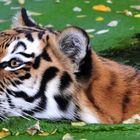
(14, 63)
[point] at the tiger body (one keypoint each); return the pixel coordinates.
(55, 75)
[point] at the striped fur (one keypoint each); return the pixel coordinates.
(55, 75)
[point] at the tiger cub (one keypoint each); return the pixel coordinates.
(49, 74)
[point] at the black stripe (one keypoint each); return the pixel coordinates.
(126, 100)
(10, 102)
(46, 56)
(65, 81)
(29, 37)
(63, 101)
(3, 65)
(112, 82)
(85, 69)
(17, 82)
(1, 89)
(2, 84)
(37, 62)
(18, 45)
(26, 76)
(40, 34)
(48, 75)
(76, 113)
(26, 19)
(29, 112)
(132, 77)
(27, 55)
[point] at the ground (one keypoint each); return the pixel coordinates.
(112, 33)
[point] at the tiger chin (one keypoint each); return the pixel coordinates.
(55, 75)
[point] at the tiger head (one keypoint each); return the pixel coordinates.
(41, 69)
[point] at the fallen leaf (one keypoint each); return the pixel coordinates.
(81, 16)
(137, 16)
(49, 26)
(87, 1)
(43, 133)
(90, 30)
(101, 8)
(68, 25)
(17, 134)
(137, 7)
(38, 0)
(2, 20)
(109, 1)
(7, 2)
(99, 19)
(77, 9)
(15, 8)
(133, 119)
(78, 124)
(33, 129)
(91, 36)
(67, 137)
(102, 31)
(34, 13)
(57, 1)
(54, 131)
(125, 12)
(113, 23)
(21, 2)
(4, 133)
(132, 28)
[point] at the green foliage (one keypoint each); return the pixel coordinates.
(89, 132)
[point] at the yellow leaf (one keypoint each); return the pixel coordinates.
(43, 134)
(101, 8)
(21, 2)
(17, 134)
(34, 13)
(78, 123)
(137, 16)
(4, 133)
(91, 36)
(81, 16)
(137, 7)
(67, 137)
(2, 20)
(99, 19)
(54, 131)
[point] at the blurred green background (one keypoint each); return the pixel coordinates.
(119, 42)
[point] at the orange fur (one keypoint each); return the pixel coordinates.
(114, 91)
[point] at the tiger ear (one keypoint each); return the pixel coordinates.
(74, 43)
(22, 18)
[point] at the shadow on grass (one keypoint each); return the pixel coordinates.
(128, 54)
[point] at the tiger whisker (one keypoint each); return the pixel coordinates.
(3, 117)
(16, 113)
(30, 116)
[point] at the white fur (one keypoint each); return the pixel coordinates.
(52, 111)
(87, 117)
(32, 47)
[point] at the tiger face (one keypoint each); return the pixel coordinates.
(40, 69)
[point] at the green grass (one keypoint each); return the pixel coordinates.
(60, 14)
(89, 132)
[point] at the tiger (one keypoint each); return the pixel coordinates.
(56, 75)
